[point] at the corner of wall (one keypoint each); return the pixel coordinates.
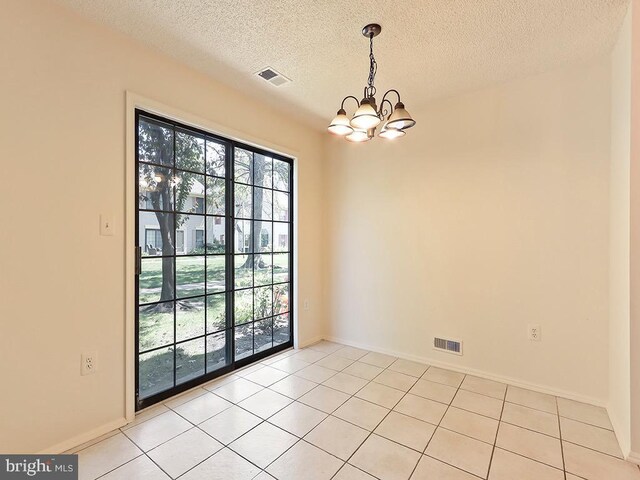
(619, 404)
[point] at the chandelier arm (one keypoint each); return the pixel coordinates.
(346, 98)
(382, 113)
(387, 93)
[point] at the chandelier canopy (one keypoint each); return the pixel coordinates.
(366, 119)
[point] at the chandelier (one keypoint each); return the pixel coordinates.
(362, 126)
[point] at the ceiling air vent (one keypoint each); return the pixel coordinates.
(448, 345)
(273, 77)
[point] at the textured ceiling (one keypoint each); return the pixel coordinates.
(427, 49)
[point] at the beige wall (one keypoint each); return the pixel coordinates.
(62, 131)
(491, 214)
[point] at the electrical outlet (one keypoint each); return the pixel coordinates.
(88, 363)
(305, 305)
(535, 333)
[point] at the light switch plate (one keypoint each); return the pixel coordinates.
(106, 225)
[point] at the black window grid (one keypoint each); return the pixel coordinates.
(230, 329)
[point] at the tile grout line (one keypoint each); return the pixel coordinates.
(564, 465)
(121, 465)
(495, 438)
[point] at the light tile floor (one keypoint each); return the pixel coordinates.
(343, 413)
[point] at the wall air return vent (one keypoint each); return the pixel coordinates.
(270, 75)
(447, 345)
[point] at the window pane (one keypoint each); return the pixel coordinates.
(243, 271)
(243, 166)
(280, 267)
(216, 273)
(217, 351)
(281, 329)
(262, 302)
(281, 206)
(155, 233)
(189, 152)
(243, 201)
(189, 360)
(215, 158)
(155, 142)
(215, 234)
(280, 298)
(244, 340)
(155, 190)
(264, 234)
(243, 236)
(280, 237)
(262, 270)
(189, 318)
(155, 371)
(190, 234)
(155, 324)
(155, 282)
(189, 276)
(281, 171)
(262, 174)
(215, 195)
(262, 334)
(216, 313)
(189, 192)
(243, 306)
(262, 203)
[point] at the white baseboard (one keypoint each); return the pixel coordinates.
(310, 341)
(478, 373)
(634, 457)
(85, 437)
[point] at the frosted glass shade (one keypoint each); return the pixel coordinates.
(400, 119)
(340, 124)
(365, 117)
(391, 133)
(358, 136)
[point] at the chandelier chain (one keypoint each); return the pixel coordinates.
(373, 66)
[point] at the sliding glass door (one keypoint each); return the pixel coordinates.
(214, 257)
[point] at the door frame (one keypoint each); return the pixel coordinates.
(133, 102)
